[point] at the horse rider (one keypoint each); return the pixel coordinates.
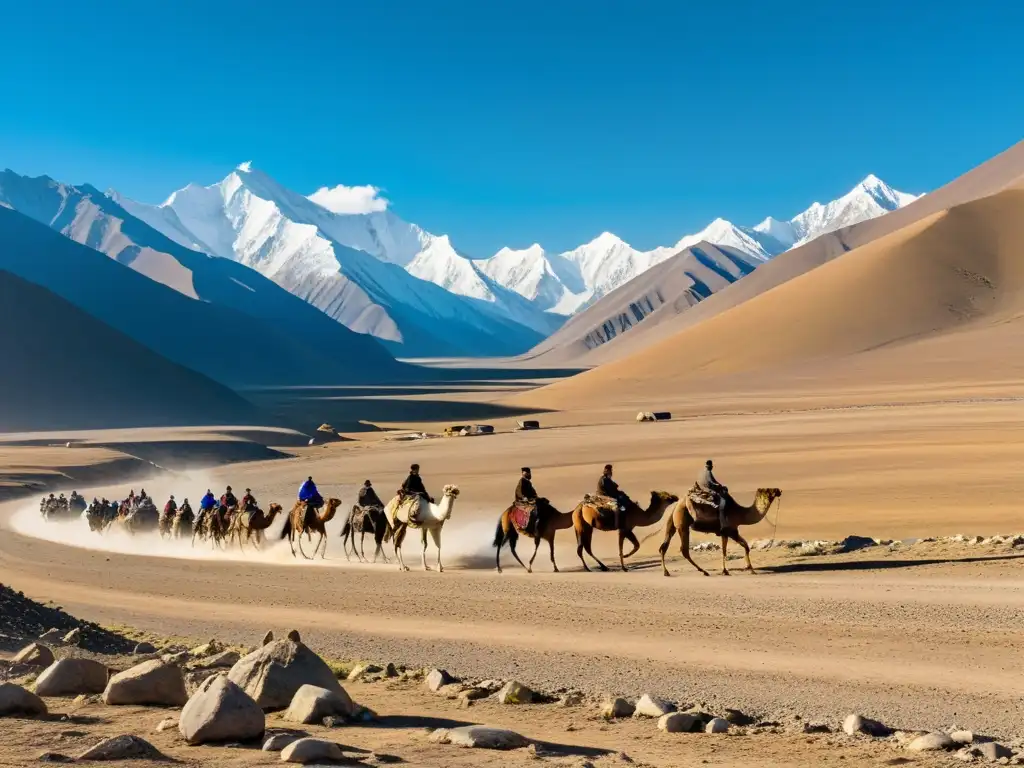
(526, 494)
(310, 495)
(368, 496)
(606, 486)
(170, 508)
(718, 492)
(248, 501)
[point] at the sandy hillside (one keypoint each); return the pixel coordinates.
(64, 369)
(958, 272)
(997, 174)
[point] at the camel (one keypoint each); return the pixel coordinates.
(165, 523)
(182, 518)
(213, 525)
(428, 518)
(550, 520)
(303, 520)
(97, 516)
(252, 523)
(703, 517)
(588, 516)
(363, 520)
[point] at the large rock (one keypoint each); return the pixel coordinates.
(279, 741)
(616, 707)
(272, 674)
(515, 693)
(70, 677)
(311, 751)
(34, 655)
(151, 682)
(311, 704)
(221, 711)
(679, 722)
(717, 725)
(932, 742)
(992, 752)
(652, 706)
(124, 747)
(482, 737)
(15, 700)
(854, 724)
(438, 678)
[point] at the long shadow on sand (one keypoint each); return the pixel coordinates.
(879, 565)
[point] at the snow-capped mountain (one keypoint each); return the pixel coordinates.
(373, 272)
(568, 282)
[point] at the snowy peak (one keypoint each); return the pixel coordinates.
(871, 198)
(781, 231)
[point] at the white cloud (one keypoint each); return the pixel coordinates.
(342, 199)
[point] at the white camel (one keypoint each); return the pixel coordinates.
(417, 512)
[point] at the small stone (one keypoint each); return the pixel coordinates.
(571, 699)
(451, 691)
(651, 706)
(514, 692)
(310, 750)
(54, 757)
(737, 717)
(931, 742)
(206, 649)
(473, 694)
(484, 737)
(437, 678)
(854, 724)
(74, 637)
(678, 722)
(15, 700)
(616, 707)
(144, 648)
(53, 635)
(360, 670)
(34, 655)
(179, 658)
(390, 670)
(717, 725)
(993, 751)
(279, 741)
(123, 747)
(962, 737)
(268, 638)
(333, 721)
(816, 727)
(224, 659)
(166, 724)
(293, 635)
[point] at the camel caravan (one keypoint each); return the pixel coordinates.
(227, 522)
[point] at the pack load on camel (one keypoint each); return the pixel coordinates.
(653, 416)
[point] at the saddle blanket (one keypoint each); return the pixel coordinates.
(602, 503)
(520, 515)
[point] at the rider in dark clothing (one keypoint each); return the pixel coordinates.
(310, 495)
(368, 497)
(228, 499)
(171, 507)
(527, 494)
(248, 500)
(413, 484)
(709, 483)
(608, 487)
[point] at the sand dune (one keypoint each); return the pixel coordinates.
(64, 369)
(959, 270)
(999, 173)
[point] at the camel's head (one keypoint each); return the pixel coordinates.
(663, 497)
(451, 490)
(275, 509)
(768, 495)
(333, 504)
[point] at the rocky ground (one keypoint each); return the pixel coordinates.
(276, 700)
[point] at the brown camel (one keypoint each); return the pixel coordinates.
(303, 520)
(252, 523)
(703, 517)
(550, 520)
(589, 515)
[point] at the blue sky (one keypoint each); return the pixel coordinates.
(507, 123)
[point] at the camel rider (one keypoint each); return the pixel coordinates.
(413, 485)
(527, 495)
(186, 508)
(248, 501)
(228, 500)
(208, 502)
(718, 492)
(310, 495)
(368, 497)
(142, 495)
(608, 487)
(171, 507)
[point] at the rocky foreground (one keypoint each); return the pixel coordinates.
(280, 700)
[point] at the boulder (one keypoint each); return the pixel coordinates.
(74, 637)
(678, 722)
(224, 659)
(854, 724)
(34, 655)
(152, 682)
(15, 700)
(143, 649)
(717, 725)
(221, 711)
(272, 674)
(652, 706)
(124, 747)
(617, 707)
(484, 737)
(931, 742)
(515, 693)
(312, 704)
(70, 677)
(436, 678)
(279, 741)
(992, 752)
(962, 737)
(311, 751)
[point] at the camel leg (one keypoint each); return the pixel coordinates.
(400, 531)
(423, 536)
(497, 549)
(323, 541)
(725, 546)
(579, 544)
(435, 534)
(621, 537)
(632, 539)
(378, 537)
(684, 547)
(512, 539)
(536, 548)
(746, 549)
(588, 538)
(670, 531)
(362, 545)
